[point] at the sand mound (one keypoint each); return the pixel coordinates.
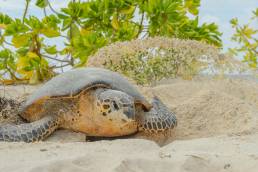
(210, 107)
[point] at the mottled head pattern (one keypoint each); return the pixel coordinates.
(115, 104)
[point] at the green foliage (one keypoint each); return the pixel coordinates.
(146, 68)
(7, 62)
(84, 27)
(150, 60)
(247, 37)
(168, 18)
(42, 3)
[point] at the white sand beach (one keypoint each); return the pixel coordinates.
(217, 132)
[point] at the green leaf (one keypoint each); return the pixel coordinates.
(34, 23)
(5, 19)
(51, 21)
(234, 22)
(114, 22)
(20, 40)
(1, 40)
(15, 27)
(51, 49)
(192, 6)
(255, 12)
(42, 3)
(129, 10)
(22, 51)
(249, 32)
(49, 32)
(66, 23)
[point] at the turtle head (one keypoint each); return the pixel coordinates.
(117, 110)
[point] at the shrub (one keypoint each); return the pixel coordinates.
(150, 60)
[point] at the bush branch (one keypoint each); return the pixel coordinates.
(53, 58)
(26, 10)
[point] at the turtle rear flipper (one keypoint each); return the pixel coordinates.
(30, 132)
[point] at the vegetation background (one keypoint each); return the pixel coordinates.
(29, 55)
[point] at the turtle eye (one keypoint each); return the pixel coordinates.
(106, 100)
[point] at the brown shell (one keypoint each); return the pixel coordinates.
(71, 83)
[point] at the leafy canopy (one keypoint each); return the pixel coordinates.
(29, 49)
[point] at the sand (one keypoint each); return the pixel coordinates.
(217, 131)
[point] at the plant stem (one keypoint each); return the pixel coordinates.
(141, 25)
(13, 76)
(56, 67)
(71, 41)
(53, 58)
(51, 8)
(8, 43)
(45, 12)
(26, 10)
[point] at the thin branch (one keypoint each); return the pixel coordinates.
(13, 76)
(45, 12)
(145, 35)
(26, 10)
(56, 67)
(8, 43)
(51, 8)
(52, 58)
(71, 41)
(141, 25)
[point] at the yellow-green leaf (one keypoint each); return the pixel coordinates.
(114, 22)
(51, 49)
(192, 6)
(128, 10)
(21, 64)
(32, 55)
(86, 31)
(48, 32)
(248, 32)
(20, 40)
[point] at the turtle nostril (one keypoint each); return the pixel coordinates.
(115, 105)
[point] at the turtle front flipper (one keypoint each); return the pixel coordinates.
(158, 119)
(30, 132)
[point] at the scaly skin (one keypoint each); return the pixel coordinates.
(158, 119)
(30, 132)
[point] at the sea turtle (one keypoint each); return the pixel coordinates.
(94, 101)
